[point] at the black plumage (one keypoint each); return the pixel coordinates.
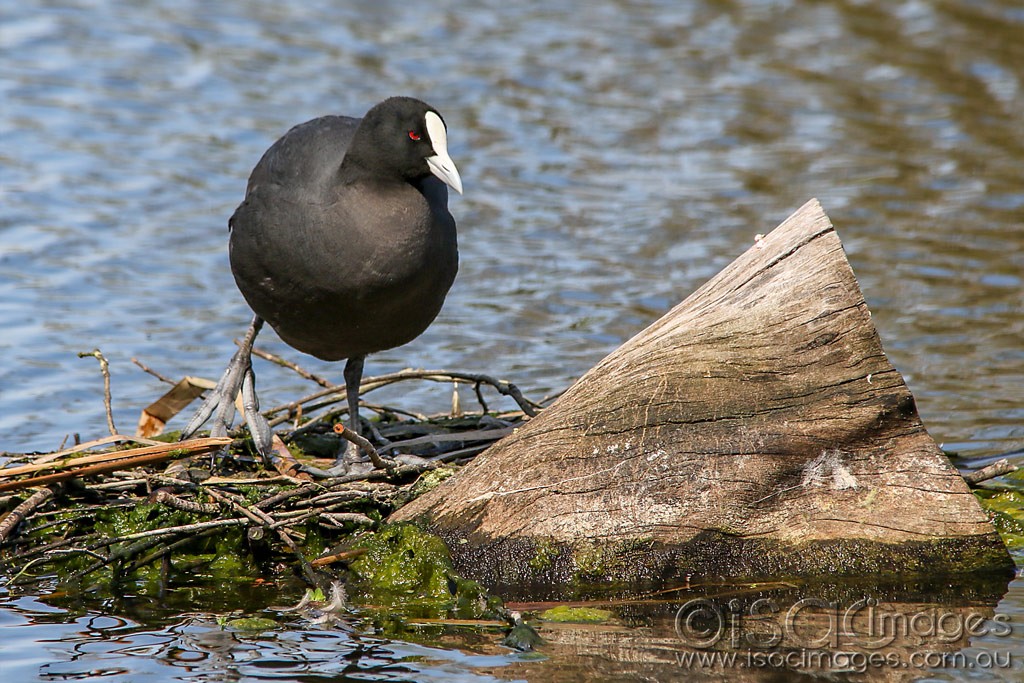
(344, 242)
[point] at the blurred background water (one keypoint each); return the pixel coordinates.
(615, 155)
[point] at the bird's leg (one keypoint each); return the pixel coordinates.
(348, 457)
(220, 402)
(353, 378)
(349, 452)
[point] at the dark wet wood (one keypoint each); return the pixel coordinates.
(757, 428)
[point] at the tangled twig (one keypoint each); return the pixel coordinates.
(114, 476)
(105, 370)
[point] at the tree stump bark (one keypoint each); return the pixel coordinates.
(757, 429)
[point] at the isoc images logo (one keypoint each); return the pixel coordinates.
(866, 624)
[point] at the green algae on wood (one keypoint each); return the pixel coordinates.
(407, 567)
(251, 624)
(563, 614)
(1006, 509)
(428, 481)
(568, 566)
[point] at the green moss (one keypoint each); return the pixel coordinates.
(214, 556)
(172, 436)
(576, 615)
(1011, 530)
(229, 564)
(522, 637)
(251, 624)
(403, 562)
(1011, 502)
(120, 522)
(600, 562)
(62, 523)
(405, 566)
(593, 562)
(546, 552)
(1016, 476)
(1006, 510)
(428, 481)
(472, 601)
(314, 543)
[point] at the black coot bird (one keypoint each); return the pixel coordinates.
(344, 244)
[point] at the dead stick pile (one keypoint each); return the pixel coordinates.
(112, 505)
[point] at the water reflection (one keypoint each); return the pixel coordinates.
(776, 632)
(93, 645)
(767, 631)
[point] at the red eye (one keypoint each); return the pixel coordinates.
(413, 135)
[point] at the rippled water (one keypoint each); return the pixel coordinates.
(88, 645)
(615, 156)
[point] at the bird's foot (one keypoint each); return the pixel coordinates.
(259, 428)
(340, 469)
(220, 402)
(351, 460)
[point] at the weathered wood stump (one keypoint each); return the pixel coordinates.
(756, 429)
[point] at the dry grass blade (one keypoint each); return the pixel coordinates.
(104, 463)
(157, 414)
(159, 447)
(105, 441)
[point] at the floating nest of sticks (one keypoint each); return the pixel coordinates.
(120, 507)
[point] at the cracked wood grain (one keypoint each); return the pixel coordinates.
(759, 417)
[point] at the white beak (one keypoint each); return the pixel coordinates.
(441, 165)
